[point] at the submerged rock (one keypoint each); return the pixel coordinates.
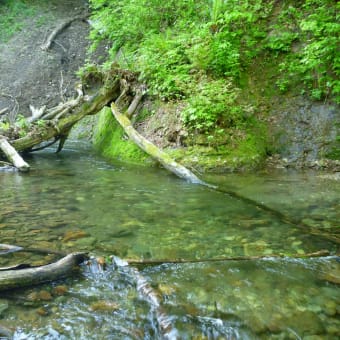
(104, 306)
(73, 235)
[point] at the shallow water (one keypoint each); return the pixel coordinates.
(77, 201)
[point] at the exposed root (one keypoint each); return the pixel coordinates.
(13, 112)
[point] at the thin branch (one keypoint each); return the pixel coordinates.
(2, 111)
(46, 145)
(321, 253)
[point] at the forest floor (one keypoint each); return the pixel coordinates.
(31, 76)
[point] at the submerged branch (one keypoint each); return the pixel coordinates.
(152, 296)
(321, 253)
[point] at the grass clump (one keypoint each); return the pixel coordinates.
(12, 17)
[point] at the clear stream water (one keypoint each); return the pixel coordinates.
(78, 201)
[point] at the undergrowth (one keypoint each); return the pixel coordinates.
(12, 16)
(199, 51)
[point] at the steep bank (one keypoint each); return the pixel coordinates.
(231, 85)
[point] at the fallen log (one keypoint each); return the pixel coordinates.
(321, 253)
(109, 89)
(152, 150)
(12, 155)
(18, 278)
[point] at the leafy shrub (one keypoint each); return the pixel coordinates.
(214, 105)
(129, 22)
(317, 63)
(163, 62)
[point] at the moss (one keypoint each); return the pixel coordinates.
(245, 152)
(110, 141)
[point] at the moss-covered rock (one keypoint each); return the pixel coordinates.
(110, 141)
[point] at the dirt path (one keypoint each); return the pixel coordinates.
(37, 77)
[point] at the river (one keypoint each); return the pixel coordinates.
(77, 201)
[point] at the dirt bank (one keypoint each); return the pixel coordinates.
(30, 75)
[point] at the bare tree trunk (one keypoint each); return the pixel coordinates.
(152, 150)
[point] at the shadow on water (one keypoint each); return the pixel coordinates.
(77, 201)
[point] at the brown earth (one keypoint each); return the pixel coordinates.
(30, 75)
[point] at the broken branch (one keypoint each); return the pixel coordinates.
(13, 155)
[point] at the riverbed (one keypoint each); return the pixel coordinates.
(77, 201)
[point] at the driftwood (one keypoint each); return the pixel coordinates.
(321, 253)
(13, 155)
(152, 150)
(47, 44)
(17, 278)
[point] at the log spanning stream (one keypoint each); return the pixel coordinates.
(75, 201)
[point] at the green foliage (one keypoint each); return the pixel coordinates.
(5, 126)
(135, 20)
(317, 62)
(12, 15)
(213, 105)
(110, 140)
(201, 52)
(165, 65)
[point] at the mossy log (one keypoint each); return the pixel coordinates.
(60, 127)
(152, 150)
(18, 278)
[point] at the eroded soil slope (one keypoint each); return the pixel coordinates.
(29, 75)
